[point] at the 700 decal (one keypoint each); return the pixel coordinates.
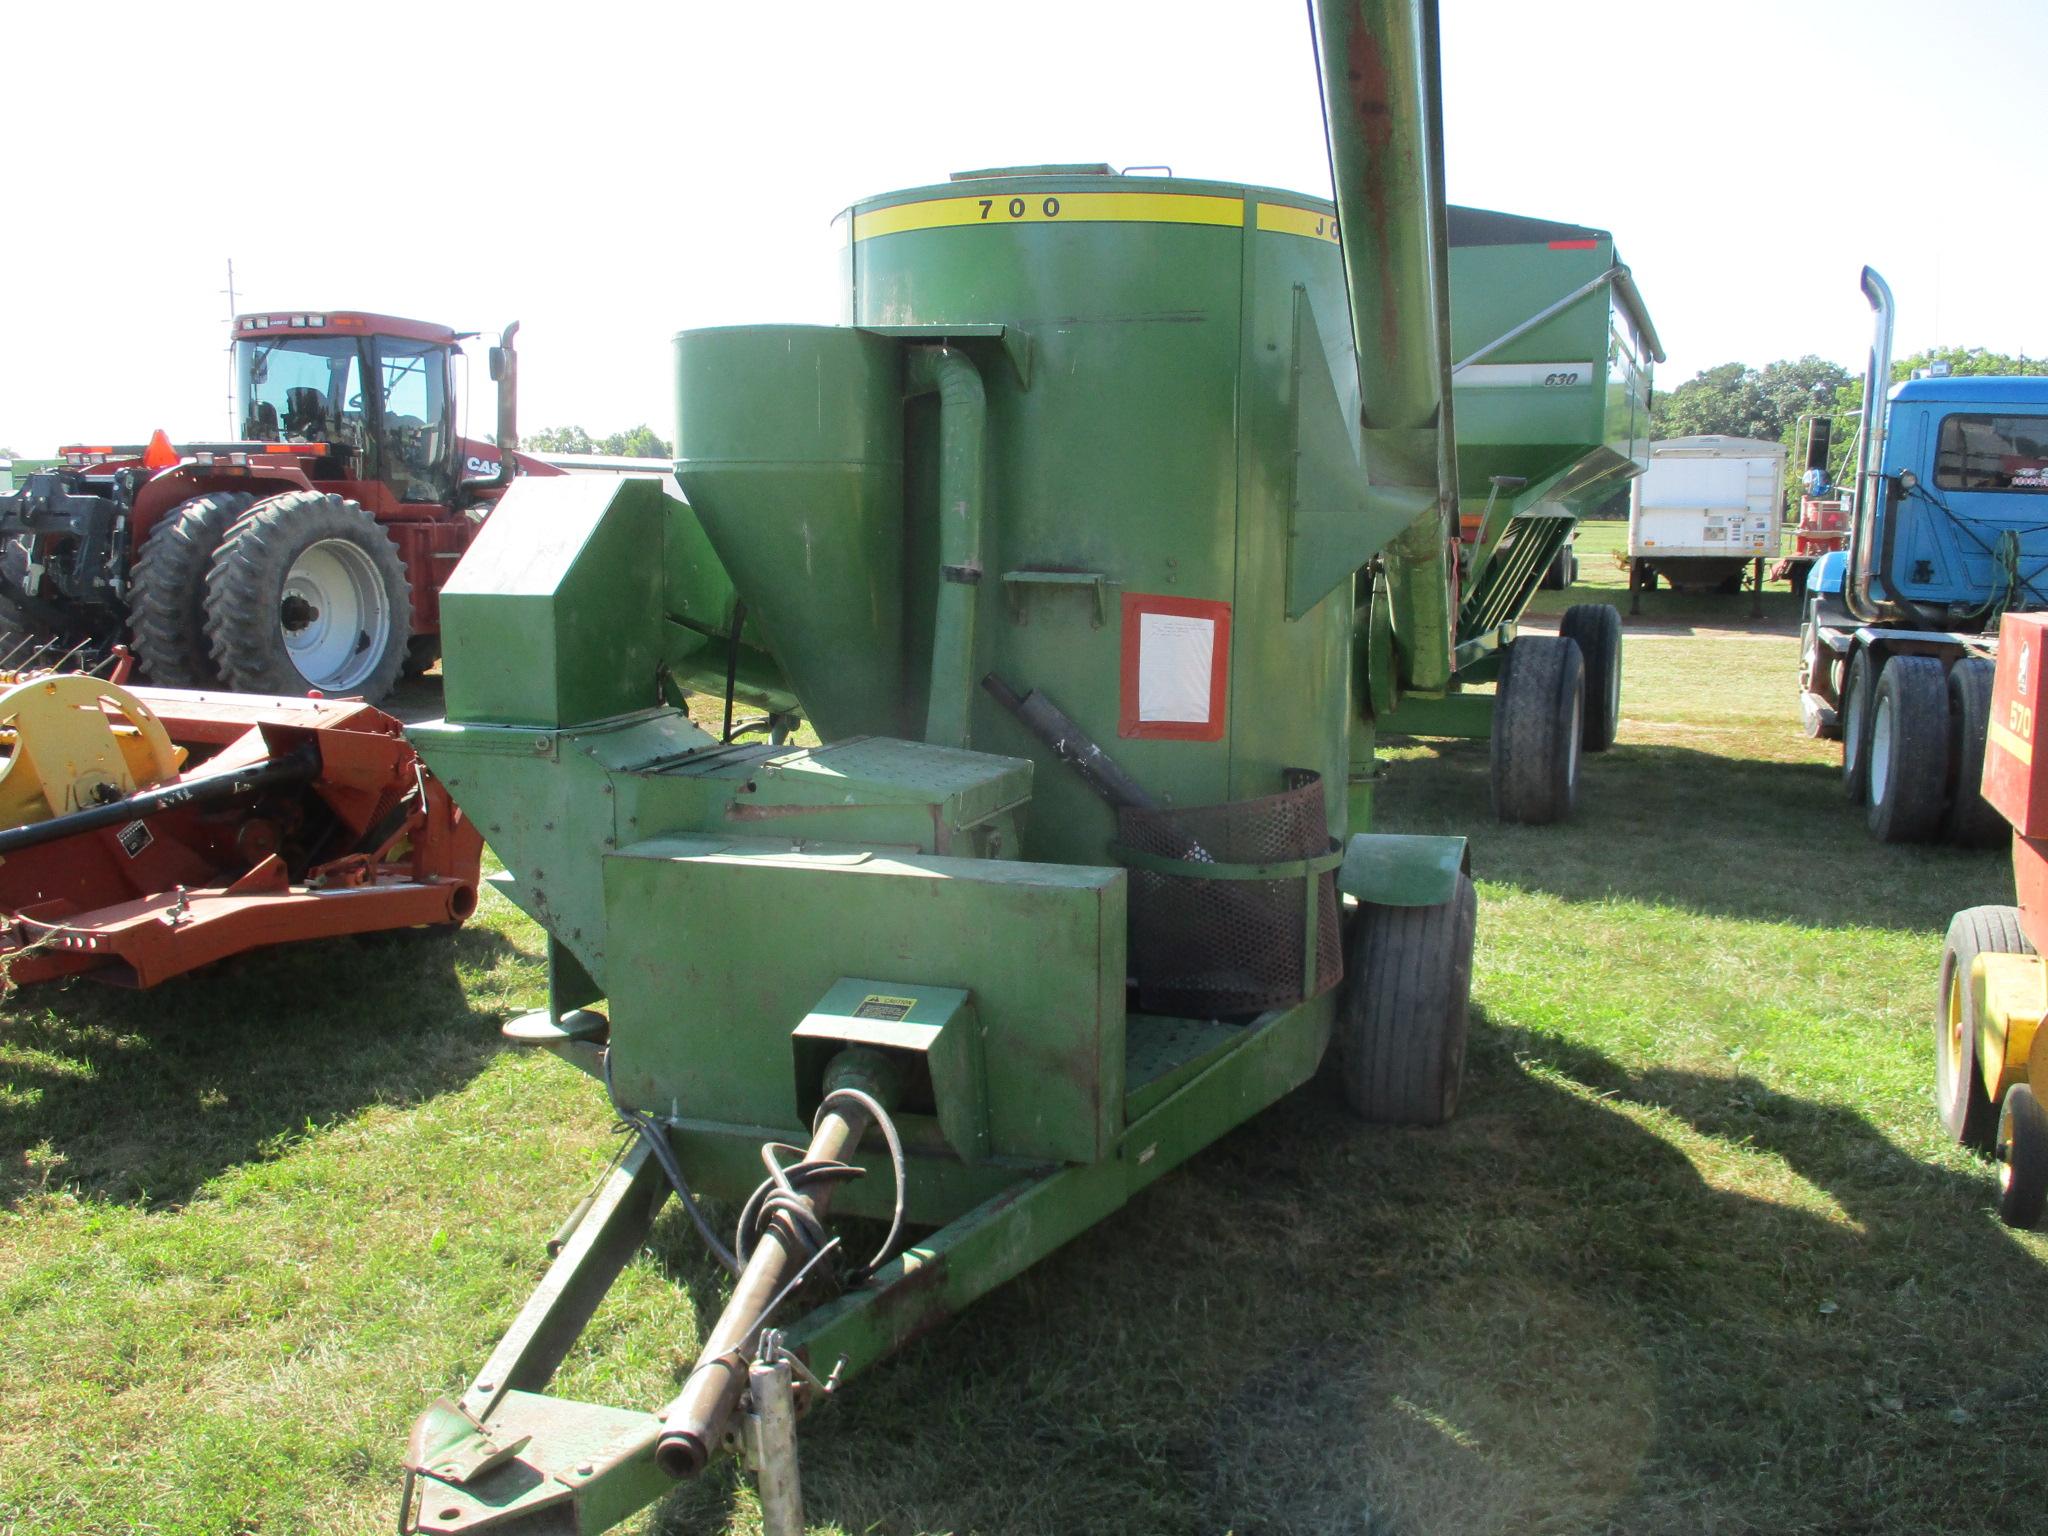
(1018, 207)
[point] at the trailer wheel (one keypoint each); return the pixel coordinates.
(1596, 629)
(167, 600)
(1971, 823)
(1856, 691)
(306, 592)
(2022, 1152)
(1966, 1110)
(1909, 751)
(1538, 730)
(1401, 1021)
(1562, 571)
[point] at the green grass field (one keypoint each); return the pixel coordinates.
(1693, 1257)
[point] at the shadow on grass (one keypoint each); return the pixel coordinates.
(1667, 825)
(144, 1096)
(1543, 1318)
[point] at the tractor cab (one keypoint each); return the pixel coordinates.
(376, 388)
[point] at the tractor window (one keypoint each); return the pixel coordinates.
(300, 389)
(417, 459)
(1992, 453)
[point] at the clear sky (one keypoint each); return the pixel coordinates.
(609, 174)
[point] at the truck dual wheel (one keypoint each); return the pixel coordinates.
(1909, 750)
(2022, 1151)
(1538, 730)
(1966, 1109)
(167, 595)
(1856, 691)
(1401, 1020)
(1596, 629)
(307, 593)
(1971, 822)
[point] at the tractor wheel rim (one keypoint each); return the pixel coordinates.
(334, 615)
(1573, 738)
(1852, 727)
(1954, 1041)
(1614, 687)
(1880, 751)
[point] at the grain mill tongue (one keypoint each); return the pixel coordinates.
(789, 447)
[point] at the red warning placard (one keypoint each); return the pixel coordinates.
(1176, 667)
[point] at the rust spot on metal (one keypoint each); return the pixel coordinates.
(914, 1305)
(1372, 111)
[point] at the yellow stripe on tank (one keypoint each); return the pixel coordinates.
(1286, 219)
(1051, 208)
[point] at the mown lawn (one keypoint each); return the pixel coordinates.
(1693, 1258)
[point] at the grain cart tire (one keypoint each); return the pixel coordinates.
(1596, 628)
(1856, 691)
(1967, 1113)
(1401, 1021)
(1971, 822)
(167, 595)
(2022, 1150)
(1909, 751)
(306, 592)
(1538, 730)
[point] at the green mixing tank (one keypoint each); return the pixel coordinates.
(1061, 544)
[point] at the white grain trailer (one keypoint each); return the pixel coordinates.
(1704, 510)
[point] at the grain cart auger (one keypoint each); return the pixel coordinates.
(1072, 885)
(145, 832)
(1552, 394)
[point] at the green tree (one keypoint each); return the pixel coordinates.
(641, 442)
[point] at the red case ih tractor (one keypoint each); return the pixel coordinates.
(306, 556)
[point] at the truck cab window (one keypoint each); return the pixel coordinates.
(1992, 453)
(416, 458)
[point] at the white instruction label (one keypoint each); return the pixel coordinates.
(1176, 668)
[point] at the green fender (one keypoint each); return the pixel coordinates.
(1400, 869)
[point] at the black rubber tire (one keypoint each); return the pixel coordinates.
(421, 653)
(1911, 712)
(1538, 728)
(1596, 629)
(245, 587)
(1562, 571)
(2021, 1147)
(167, 595)
(1966, 1110)
(1729, 586)
(1402, 1017)
(1971, 822)
(1795, 578)
(1857, 689)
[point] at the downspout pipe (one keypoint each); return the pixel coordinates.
(1383, 122)
(1871, 485)
(963, 498)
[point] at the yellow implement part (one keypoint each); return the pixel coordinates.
(73, 742)
(2012, 998)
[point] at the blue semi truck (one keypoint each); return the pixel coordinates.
(1949, 531)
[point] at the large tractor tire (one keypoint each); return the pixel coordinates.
(1971, 822)
(1596, 629)
(1856, 691)
(1539, 716)
(167, 599)
(306, 593)
(1909, 751)
(2022, 1151)
(1967, 1112)
(1401, 1021)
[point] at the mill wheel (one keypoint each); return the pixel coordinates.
(1538, 730)
(167, 600)
(1401, 1021)
(1971, 822)
(1959, 1092)
(1856, 691)
(306, 592)
(2022, 1151)
(1596, 629)
(1909, 750)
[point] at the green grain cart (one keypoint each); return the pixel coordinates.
(1069, 546)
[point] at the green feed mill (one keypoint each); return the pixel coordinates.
(1091, 549)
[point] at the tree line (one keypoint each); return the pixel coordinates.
(641, 442)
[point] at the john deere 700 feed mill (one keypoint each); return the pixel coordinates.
(1067, 546)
